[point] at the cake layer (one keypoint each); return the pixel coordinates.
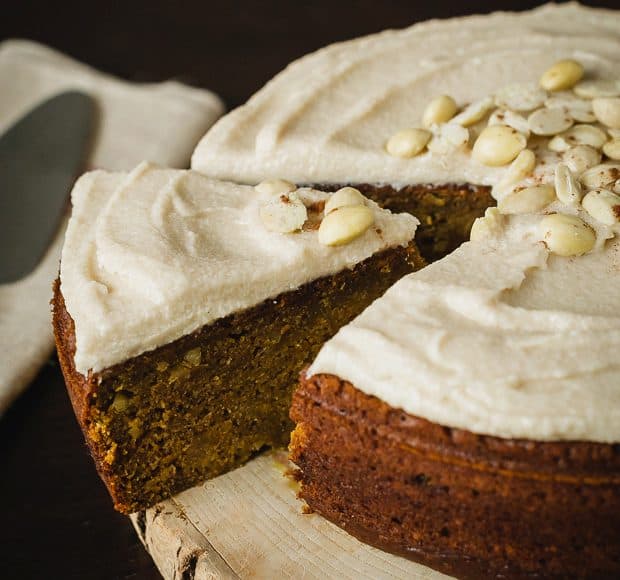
(155, 254)
(172, 417)
(327, 116)
(499, 338)
(469, 505)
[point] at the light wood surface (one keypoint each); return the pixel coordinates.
(249, 524)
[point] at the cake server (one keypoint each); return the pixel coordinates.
(40, 157)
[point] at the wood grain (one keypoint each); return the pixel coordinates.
(249, 523)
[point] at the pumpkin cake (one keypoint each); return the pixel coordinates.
(469, 418)
(186, 306)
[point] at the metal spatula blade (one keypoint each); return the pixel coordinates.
(40, 157)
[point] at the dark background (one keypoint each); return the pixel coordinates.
(56, 520)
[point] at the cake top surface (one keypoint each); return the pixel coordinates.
(154, 254)
(327, 116)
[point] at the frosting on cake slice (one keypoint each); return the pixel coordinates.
(154, 254)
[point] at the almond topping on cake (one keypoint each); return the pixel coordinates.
(612, 149)
(527, 199)
(567, 188)
(343, 197)
(581, 158)
(474, 112)
(344, 224)
(520, 97)
(607, 111)
(598, 88)
(567, 235)
(600, 176)
(498, 145)
(563, 75)
(603, 205)
(408, 142)
(547, 122)
(440, 110)
(284, 214)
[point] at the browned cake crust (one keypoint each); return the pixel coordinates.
(469, 505)
(206, 403)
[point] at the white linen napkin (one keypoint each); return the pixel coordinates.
(157, 122)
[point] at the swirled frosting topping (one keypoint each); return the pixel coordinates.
(327, 117)
(154, 254)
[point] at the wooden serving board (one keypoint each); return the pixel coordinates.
(249, 524)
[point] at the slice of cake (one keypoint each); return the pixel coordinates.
(186, 307)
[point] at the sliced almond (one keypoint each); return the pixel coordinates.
(579, 109)
(275, 186)
(527, 199)
(607, 111)
(597, 89)
(345, 224)
(612, 149)
(474, 112)
(440, 110)
(564, 74)
(567, 188)
(600, 176)
(580, 158)
(603, 205)
(343, 197)
(498, 145)
(517, 171)
(511, 119)
(549, 122)
(586, 135)
(566, 235)
(520, 97)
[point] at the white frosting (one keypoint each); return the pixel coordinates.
(498, 338)
(327, 116)
(152, 255)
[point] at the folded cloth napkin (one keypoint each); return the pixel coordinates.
(157, 122)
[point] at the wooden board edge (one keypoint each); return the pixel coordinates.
(178, 549)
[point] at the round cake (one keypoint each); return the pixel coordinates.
(469, 418)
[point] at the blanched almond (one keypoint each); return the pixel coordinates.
(603, 205)
(345, 224)
(564, 74)
(440, 110)
(498, 145)
(527, 199)
(408, 142)
(566, 235)
(284, 214)
(343, 197)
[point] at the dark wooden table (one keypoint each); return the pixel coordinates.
(57, 521)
